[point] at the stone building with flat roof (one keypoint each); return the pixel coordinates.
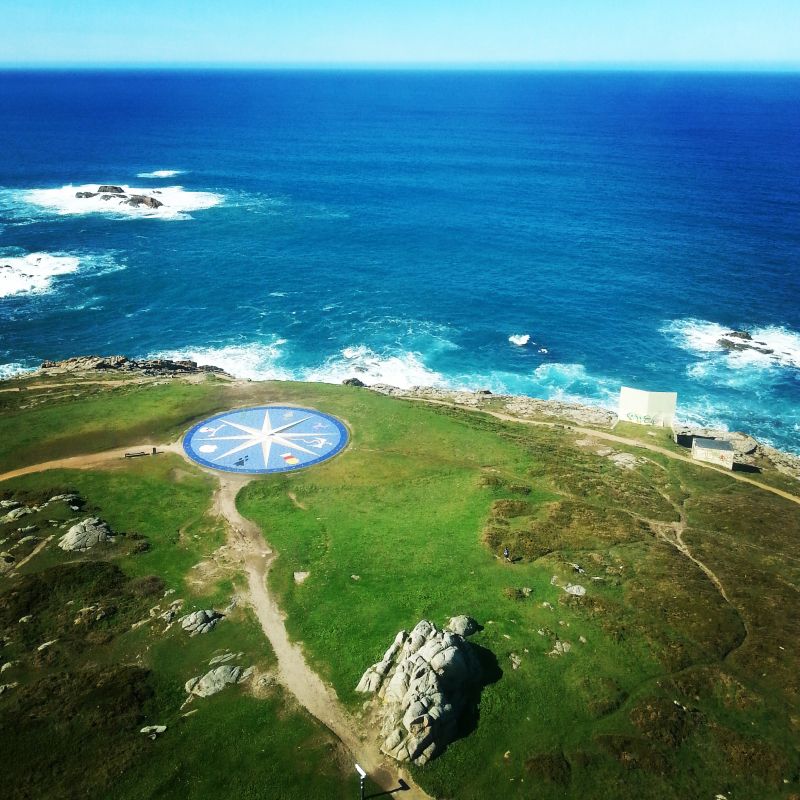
(714, 451)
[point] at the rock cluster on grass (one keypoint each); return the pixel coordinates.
(217, 679)
(153, 731)
(201, 621)
(424, 681)
(86, 534)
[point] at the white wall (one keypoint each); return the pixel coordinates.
(647, 408)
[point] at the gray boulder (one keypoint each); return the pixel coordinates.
(201, 621)
(216, 680)
(86, 534)
(106, 189)
(423, 683)
(463, 625)
(16, 513)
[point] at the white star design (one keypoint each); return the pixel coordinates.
(265, 436)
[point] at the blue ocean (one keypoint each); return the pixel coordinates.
(553, 234)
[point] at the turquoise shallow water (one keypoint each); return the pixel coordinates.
(402, 226)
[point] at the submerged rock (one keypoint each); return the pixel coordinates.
(86, 534)
(424, 680)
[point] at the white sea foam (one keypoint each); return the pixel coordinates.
(701, 338)
(161, 173)
(14, 368)
(33, 273)
(404, 369)
(519, 339)
(246, 361)
(177, 202)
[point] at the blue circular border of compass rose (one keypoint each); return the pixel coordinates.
(265, 439)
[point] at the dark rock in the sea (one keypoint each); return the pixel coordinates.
(106, 196)
(85, 195)
(110, 189)
(137, 200)
(483, 391)
(353, 382)
(741, 340)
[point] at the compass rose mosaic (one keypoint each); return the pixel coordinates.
(265, 439)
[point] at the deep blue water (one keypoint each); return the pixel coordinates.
(401, 226)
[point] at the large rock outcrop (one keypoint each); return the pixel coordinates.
(148, 366)
(425, 681)
(86, 534)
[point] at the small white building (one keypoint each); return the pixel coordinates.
(714, 451)
(647, 408)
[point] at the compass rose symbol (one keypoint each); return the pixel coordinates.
(265, 439)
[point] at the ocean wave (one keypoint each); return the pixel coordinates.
(161, 173)
(13, 369)
(177, 201)
(33, 273)
(402, 369)
(267, 361)
(259, 361)
(519, 339)
(771, 346)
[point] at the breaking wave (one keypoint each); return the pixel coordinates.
(161, 173)
(245, 361)
(33, 273)
(771, 346)
(403, 369)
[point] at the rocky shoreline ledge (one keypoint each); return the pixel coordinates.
(148, 366)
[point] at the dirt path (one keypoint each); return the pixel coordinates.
(612, 437)
(248, 541)
(90, 460)
(35, 552)
(294, 673)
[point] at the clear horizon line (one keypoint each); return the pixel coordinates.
(397, 66)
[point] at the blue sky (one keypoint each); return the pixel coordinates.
(426, 32)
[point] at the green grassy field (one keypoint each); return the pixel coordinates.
(669, 690)
(70, 728)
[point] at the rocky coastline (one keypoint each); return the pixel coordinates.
(748, 450)
(123, 364)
